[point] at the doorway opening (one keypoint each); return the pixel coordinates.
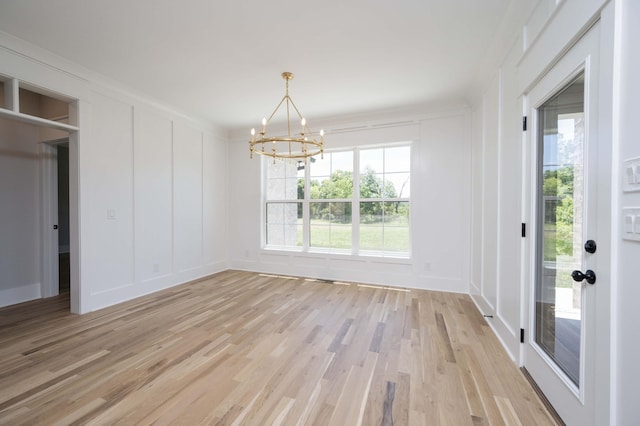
(38, 139)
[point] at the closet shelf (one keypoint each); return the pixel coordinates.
(36, 120)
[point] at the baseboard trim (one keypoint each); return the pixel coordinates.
(542, 397)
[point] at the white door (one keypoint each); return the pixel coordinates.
(49, 216)
(566, 264)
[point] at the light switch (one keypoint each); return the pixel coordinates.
(631, 176)
(628, 224)
(111, 214)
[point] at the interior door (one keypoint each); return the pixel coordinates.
(565, 264)
(49, 220)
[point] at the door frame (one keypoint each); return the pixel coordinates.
(596, 390)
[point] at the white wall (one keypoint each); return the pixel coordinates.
(439, 205)
(19, 213)
(156, 200)
(108, 157)
(497, 169)
(627, 292)
(150, 207)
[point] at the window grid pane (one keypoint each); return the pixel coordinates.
(330, 225)
(282, 182)
(283, 223)
(332, 177)
(384, 226)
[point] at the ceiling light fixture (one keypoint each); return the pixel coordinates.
(300, 145)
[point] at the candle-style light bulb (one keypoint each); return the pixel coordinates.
(253, 132)
(321, 132)
(303, 122)
(264, 125)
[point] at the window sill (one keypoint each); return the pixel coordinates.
(376, 257)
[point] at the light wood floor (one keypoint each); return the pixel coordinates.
(244, 348)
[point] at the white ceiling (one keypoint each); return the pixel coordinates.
(222, 60)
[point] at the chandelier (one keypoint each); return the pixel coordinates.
(300, 145)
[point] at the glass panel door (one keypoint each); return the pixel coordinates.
(567, 198)
(561, 139)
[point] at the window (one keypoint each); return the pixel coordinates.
(284, 204)
(384, 199)
(354, 201)
(331, 201)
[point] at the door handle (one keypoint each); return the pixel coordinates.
(590, 276)
(590, 246)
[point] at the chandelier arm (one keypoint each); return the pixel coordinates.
(278, 107)
(288, 119)
(300, 115)
(295, 108)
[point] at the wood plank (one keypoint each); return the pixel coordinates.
(247, 348)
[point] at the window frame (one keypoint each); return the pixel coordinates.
(355, 200)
